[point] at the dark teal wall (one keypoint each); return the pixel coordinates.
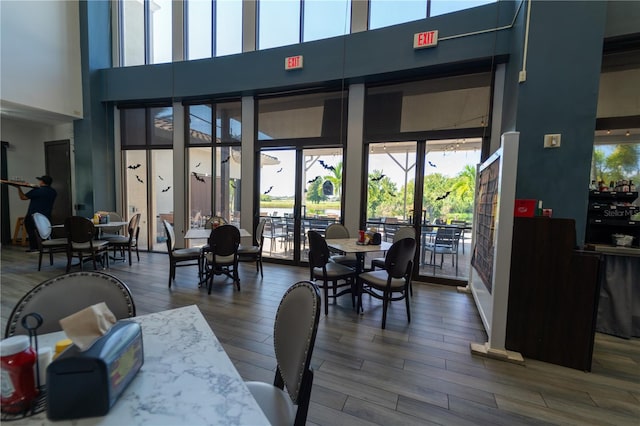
(94, 146)
(385, 53)
(560, 95)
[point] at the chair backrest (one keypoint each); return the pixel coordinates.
(171, 236)
(448, 237)
(294, 337)
(113, 217)
(43, 226)
(224, 240)
(336, 230)
(134, 226)
(404, 232)
(399, 257)
(318, 250)
(260, 232)
(79, 229)
(62, 296)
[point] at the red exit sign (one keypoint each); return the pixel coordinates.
(425, 39)
(293, 62)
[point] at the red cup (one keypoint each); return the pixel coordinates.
(361, 236)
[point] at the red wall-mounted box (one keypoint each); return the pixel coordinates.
(524, 208)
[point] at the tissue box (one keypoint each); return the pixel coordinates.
(88, 383)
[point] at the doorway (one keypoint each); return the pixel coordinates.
(57, 158)
(300, 189)
(429, 185)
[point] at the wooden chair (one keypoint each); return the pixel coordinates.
(45, 243)
(221, 255)
(129, 241)
(182, 256)
(80, 240)
(253, 253)
(338, 230)
(286, 402)
(321, 268)
(67, 294)
(394, 278)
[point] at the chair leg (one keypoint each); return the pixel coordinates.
(40, 260)
(172, 271)
(406, 297)
(129, 255)
(385, 305)
(326, 297)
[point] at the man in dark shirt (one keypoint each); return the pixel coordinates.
(42, 199)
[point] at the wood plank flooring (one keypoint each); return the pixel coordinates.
(409, 374)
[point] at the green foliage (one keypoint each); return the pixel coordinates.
(336, 179)
(622, 163)
(382, 196)
(314, 192)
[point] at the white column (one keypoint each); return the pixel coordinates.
(177, 36)
(249, 25)
(180, 183)
(359, 15)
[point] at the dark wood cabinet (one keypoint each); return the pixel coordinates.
(553, 293)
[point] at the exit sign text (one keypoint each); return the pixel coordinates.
(293, 62)
(425, 39)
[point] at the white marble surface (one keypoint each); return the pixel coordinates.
(187, 379)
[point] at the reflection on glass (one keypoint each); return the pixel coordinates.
(162, 128)
(132, 32)
(229, 122)
(324, 19)
(278, 23)
(383, 13)
(198, 29)
(228, 27)
(162, 202)
(160, 22)
(136, 191)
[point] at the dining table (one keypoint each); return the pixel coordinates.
(187, 378)
(353, 246)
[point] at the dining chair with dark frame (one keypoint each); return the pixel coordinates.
(180, 257)
(80, 240)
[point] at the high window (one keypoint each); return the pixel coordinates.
(145, 32)
(213, 28)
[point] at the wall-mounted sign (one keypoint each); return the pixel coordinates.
(293, 62)
(425, 39)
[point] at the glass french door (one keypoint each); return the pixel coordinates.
(429, 185)
(300, 189)
(149, 191)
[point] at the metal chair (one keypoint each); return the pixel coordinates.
(59, 297)
(460, 223)
(394, 278)
(253, 253)
(45, 243)
(221, 255)
(182, 256)
(321, 268)
(286, 402)
(445, 242)
(80, 240)
(130, 241)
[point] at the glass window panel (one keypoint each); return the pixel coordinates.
(199, 30)
(200, 189)
(278, 23)
(162, 202)
(132, 32)
(162, 127)
(132, 127)
(160, 31)
(200, 132)
(440, 7)
(228, 122)
(227, 189)
(324, 19)
(383, 13)
(303, 116)
(447, 103)
(136, 191)
(228, 27)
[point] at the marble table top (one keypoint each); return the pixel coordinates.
(186, 379)
(350, 245)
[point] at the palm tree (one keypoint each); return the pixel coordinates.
(465, 184)
(336, 179)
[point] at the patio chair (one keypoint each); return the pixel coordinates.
(445, 242)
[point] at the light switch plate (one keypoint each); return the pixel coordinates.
(552, 140)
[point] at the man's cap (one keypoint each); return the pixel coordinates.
(46, 179)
